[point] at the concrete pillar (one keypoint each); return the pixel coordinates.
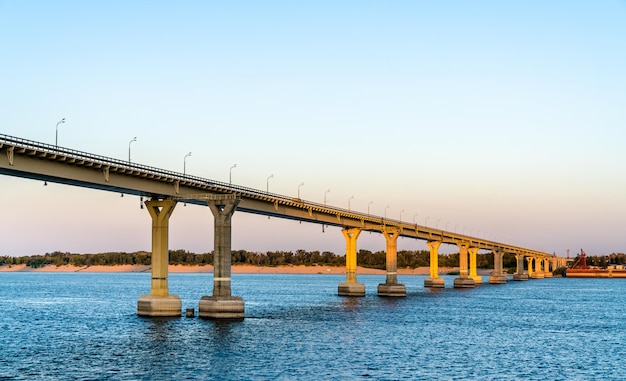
(222, 305)
(472, 265)
(434, 280)
(534, 273)
(498, 276)
(159, 302)
(547, 273)
(351, 287)
(520, 274)
(391, 287)
(464, 280)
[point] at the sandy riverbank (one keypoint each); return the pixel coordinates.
(236, 269)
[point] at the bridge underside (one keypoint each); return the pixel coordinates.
(162, 189)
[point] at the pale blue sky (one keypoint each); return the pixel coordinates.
(500, 119)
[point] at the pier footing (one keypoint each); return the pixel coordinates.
(221, 307)
(497, 279)
(351, 289)
(464, 283)
(396, 289)
(520, 277)
(150, 305)
(537, 276)
(434, 282)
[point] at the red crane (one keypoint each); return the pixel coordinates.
(581, 263)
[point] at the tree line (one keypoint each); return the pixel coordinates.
(406, 259)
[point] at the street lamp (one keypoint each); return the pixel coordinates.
(56, 137)
(437, 224)
(325, 196)
(426, 220)
(401, 215)
(448, 222)
(267, 183)
(415, 215)
(230, 173)
(368, 206)
(185, 163)
(386, 211)
(301, 184)
(133, 140)
(351, 197)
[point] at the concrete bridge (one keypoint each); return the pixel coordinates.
(164, 189)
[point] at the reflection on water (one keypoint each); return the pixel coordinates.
(84, 326)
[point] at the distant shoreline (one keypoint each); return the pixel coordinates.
(235, 269)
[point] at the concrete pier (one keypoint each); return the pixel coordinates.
(464, 280)
(534, 272)
(520, 275)
(391, 287)
(350, 287)
(433, 280)
(159, 302)
(547, 272)
(472, 265)
(498, 276)
(222, 305)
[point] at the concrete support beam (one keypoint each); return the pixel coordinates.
(472, 265)
(391, 287)
(547, 272)
(520, 275)
(351, 287)
(534, 273)
(498, 276)
(222, 305)
(464, 280)
(433, 280)
(159, 302)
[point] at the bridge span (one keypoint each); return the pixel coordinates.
(163, 189)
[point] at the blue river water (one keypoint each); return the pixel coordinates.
(83, 326)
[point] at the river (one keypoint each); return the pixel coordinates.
(84, 326)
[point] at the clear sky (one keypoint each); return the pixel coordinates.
(502, 119)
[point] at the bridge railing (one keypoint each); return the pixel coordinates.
(104, 160)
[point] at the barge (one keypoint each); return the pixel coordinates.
(580, 269)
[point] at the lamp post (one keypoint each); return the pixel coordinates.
(328, 190)
(267, 183)
(448, 222)
(386, 211)
(185, 163)
(133, 140)
(414, 216)
(351, 197)
(368, 206)
(426, 220)
(230, 174)
(437, 224)
(56, 136)
(401, 215)
(301, 184)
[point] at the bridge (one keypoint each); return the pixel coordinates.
(163, 189)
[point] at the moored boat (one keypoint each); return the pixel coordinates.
(580, 269)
